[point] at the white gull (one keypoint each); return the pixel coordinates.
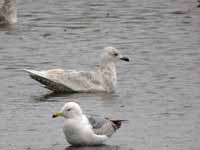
(80, 130)
(102, 79)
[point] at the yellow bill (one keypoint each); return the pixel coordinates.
(57, 114)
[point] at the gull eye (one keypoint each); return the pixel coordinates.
(69, 109)
(115, 54)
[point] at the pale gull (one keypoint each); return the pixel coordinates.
(102, 79)
(8, 14)
(81, 130)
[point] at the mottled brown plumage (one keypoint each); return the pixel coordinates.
(102, 79)
(8, 14)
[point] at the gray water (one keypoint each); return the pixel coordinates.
(158, 91)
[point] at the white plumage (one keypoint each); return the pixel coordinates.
(80, 130)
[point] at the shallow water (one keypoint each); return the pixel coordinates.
(158, 91)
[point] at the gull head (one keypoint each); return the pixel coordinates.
(112, 54)
(69, 110)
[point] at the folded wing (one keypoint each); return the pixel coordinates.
(104, 126)
(59, 80)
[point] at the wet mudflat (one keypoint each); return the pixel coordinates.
(158, 91)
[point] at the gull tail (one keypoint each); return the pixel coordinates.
(117, 123)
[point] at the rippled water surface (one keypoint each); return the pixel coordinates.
(158, 91)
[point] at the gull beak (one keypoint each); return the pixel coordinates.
(57, 114)
(124, 58)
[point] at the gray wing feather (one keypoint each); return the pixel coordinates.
(102, 126)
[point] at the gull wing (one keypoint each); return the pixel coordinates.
(104, 126)
(41, 76)
(59, 80)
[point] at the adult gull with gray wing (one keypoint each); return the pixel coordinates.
(80, 130)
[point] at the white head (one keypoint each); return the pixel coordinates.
(69, 110)
(112, 54)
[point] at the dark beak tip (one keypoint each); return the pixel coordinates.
(125, 59)
(128, 60)
(53, 116)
